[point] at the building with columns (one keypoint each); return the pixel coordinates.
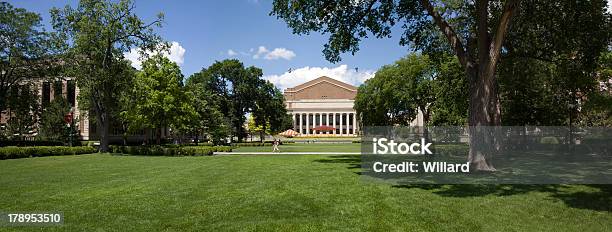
(50, 89)
(323, 107)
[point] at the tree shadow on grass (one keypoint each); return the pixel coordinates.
(595, 197)
(353, 161)
(598, 198)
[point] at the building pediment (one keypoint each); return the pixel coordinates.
(321, 88)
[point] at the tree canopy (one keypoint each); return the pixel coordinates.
(476, 32)
(239, 90)
(100, 31)
(414, 83)
(28, 51)
(159, 98)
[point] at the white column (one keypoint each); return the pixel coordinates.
(334, 122)
(301, 117)
(314, 123)
(354, 123)
(327, 122)
(307, 123)
(340, 125)
(348, 124)
(320, 121)
(353, 126)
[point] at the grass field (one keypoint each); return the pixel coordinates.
(278, 192)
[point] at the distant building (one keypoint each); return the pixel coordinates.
(49, 90)
(86, 129)
(323, 107)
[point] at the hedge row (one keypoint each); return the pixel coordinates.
(25, 152)
(28, 143)
(169, 151)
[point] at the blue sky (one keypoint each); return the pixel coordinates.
(205, 31)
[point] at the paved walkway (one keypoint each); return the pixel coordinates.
(286, 153)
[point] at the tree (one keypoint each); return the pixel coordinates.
(475, 31)
(269, 112)
(27, 49)
(397, 92)
(414, 83)
(478, 49)
(160, 100)
(253, 128)
(598, 106)
(549, 65)
(236, 88)
(531, 93)
(450, 85)
(23, 110)
(52, 123)
(209, 120)
(100, 31)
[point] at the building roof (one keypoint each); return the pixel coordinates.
(321, 80)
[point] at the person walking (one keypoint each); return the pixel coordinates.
(275, 144)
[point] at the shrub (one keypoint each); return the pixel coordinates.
(549, 140)
(27, 143)
(169, 151)
(25, 152)
(89, 143)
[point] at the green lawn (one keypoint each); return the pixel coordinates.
(305, 147)
(279, 192)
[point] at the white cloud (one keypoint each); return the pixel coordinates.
(260, 51)
(231, 52)
(301, 75)
(176, 54)
(134, 57)
(610, 6)
(275, 54)
(280, 53)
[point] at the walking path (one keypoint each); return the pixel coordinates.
(286, 153)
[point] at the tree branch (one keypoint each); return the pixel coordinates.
(482, 30)
(502, 29)
(448, 31)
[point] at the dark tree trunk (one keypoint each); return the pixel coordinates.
(483, 118)
(197, 137)
(484, 105)
(262, 134)
(158, 135)
(103, 127)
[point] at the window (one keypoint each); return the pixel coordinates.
(71, 93)
(57, 89)
(46, 93)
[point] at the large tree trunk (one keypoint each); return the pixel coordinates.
(103, 127)
(484, 107)
(483, 118)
